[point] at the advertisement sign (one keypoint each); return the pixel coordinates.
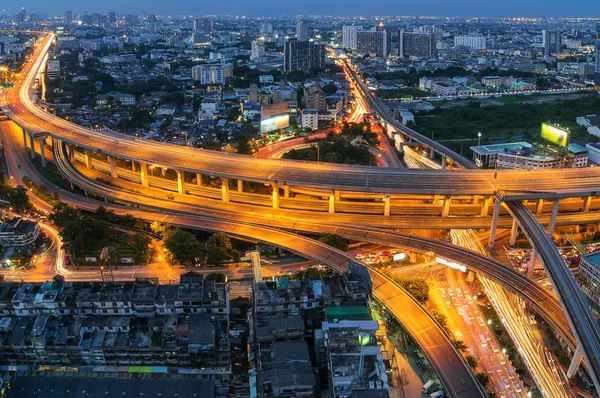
(399, 256)
(555, 135)
(275, 123)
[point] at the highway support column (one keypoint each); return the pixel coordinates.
(495, 216)
(225, 190)
(513, 232)
(332, 202)
(180, 181)
(443, 162)
(143, 173)
(42, 143)
(553, 216)
(113, 167)
(485, 207)
(88, 159)
(587, 203)
(24, 137)
(32, 146)
(199, 179)
(387, 205)
(71, 150)
(163, 172)
(432, 154)
(286, 191)
(575, 362)
(539, 206)
(240, 185)
(446, 206)
(275, 196)
(532, 261)
(133, 165)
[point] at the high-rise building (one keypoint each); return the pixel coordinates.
(266, 28)
(434, 30)
(303, 55)
(203, 25)
(258, 49)
(598, 47)
(211, 74)
(302, 31)
(350, 36)
(112, 17)
(21, 16)
(475, 43)
(415, 44)
(68, 17)
(373, 42)
(552, 41)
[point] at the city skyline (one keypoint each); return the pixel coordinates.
(468, 8)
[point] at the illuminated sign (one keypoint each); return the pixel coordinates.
(451, 264)
(555, 135)
(275, 123)
(399, 256)
(364, 339)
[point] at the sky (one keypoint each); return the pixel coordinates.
(501, 8)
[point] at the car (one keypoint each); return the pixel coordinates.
(360, 256)
(505, 382)
(447, 303)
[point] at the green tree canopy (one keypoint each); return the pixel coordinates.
(335, 240)
(183, 246)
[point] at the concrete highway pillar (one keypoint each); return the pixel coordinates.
(553, 216)
(443, 162)
(337, 195)
(133, 165)
(587, 203)
(446, 207)
(513, 232)
(225, 190)
(495, 216)
(113, 167)
(32, 146)
(532, 261)
(240, 186)
(275, 196)
(331, 203)
(163, 171)
(143, 173)
(199, 179)
(88, 159)
(286, 191)
(43, 151)
(575, 362)
(24, 138)
(180, 181)
(477, 198)
(436, 199)
(432, 153)
(71, 149)
(539, 206)
(485, 207)
(387, 209)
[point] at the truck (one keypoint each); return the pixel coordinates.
(427, 387)
(483, 340)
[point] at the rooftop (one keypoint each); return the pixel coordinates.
(348, 313)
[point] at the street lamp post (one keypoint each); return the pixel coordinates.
(479, 139)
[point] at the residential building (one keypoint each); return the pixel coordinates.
(302, 31)
(475, 43)
(68, 17)
(303, 55)
(350, 36)
(592, 123)
(593, 153)
(314, 98)
(373, 42)
(492, 81)
(444, 89)
(522, 155)
(414, 44)
(258, 49)
(18, 232)
(212, 74)
(266, 28)
(266, 79)
(551, 42)
(310, 119)
(437, 32)
(589, 275)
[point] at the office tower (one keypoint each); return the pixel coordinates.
(131, 19)
(2, 50)
(112, 17)
(303, 55)
(203, 25)
(258, 49)
(434, 30)
(415, 44)
(552, 41)
(21, 16)
(350, 36)
(373, 42)
(196, 24)
(266, 28)
(598, 47)
(475, 43)
(68, 17)
(302, 31)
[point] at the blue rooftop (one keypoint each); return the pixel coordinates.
(576, 148)
(594, 258)
(507, 147)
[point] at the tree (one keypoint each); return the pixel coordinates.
(217, 255)
(140, 242)
(63, 213)
(483, 378)
(183, 246)
(460, 345)
(107, 215)
(471, 361)
(220, 239)
(334, 240)
(215, 276)
(441, 319)
(330, 89)
(160, 229)
(18, 198)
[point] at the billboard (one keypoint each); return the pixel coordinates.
(555, 135)
(274, 123)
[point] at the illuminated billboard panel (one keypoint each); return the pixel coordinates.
(275, 123)
(555, 135)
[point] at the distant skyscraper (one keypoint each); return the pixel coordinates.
(196, 24)
(552, 41)
(266, 28)
(258, 49)
(475, 43)
(598, 47)
(68, 18)
(373, 42)
(303, 55)
(112, 17)
(302, 31)
(350, 36)
(203, 25)
(21, 16)
(434, 30)
(414, 44)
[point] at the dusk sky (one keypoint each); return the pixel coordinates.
(542, 8)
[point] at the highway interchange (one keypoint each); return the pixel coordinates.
(316, 176)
